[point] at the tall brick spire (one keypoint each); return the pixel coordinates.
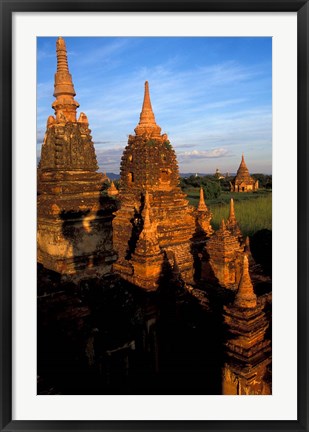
(65, 105)
(222, 226)
(147, 123)
(232, 224)
(245, 297)
(232, 211)
(202, 205)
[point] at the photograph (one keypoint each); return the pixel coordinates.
(154, 215)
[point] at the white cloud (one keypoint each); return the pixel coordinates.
(204, 154)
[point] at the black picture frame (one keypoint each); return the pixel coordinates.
(8, 7)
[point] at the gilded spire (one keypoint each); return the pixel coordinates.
(65, 106)
(245, 297)
(202, 205)
(147, 123)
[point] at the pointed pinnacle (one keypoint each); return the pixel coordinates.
(62, 60)
(63, 78)
(222, 226)
(232, 210)
(202, 205)
(147, 115)
(64, 105)
(147, 122)
(243, 163)
(147, 108)
(245, 297)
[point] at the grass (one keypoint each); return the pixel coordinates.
(253, 210)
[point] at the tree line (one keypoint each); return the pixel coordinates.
(213, 187)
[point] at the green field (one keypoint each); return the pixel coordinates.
(253, 210)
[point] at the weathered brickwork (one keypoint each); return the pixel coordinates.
(74, 219)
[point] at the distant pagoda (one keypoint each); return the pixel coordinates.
(112, 190)
(243, 182)
(149, 169)
(74, 219)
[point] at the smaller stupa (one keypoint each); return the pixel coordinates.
(203, 216)
(248, 351)
(222, 258)
(231, 223)
(147, 259)
(112, 190)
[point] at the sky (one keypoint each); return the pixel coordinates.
(212, 96)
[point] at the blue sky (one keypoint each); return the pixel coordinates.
(212, 96)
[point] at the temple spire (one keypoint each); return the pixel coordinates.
(147, 112)
(231, 223)
(242, 166)
(147, 123)
(232, 211)
(62, 59)
(223, 226)
(202, 205)
(245, 297)
(65, 106)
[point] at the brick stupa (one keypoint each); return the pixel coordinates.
(112, 190)
(203, 216)
(149, 166)
(147, 258)
(243, 182)
(248, 352)
(223, 254)
(74, 220)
